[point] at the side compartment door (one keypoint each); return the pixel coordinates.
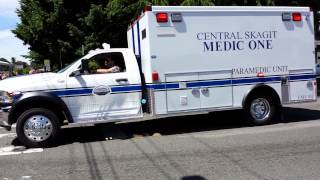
(302, 86)
(216, 89)
(180, 97)
(104, 96)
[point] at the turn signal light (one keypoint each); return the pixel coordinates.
(162, 17)
(155, 76)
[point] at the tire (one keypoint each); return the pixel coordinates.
(37, 127)
(260, 110)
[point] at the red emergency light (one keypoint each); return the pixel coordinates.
(296, 16)
(155, 76)
(260, 75)
(162, 17)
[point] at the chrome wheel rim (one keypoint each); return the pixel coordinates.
(260, 109)
(37, 128)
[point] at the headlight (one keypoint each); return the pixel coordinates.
(9, 97)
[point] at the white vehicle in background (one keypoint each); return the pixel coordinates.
(190, 60)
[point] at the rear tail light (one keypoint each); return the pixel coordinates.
(155, 76)
(162, 17)
(296, 16)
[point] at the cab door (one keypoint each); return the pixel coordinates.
(107, 96)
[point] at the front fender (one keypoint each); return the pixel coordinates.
(38, 99)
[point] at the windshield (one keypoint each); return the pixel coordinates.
(65, 68)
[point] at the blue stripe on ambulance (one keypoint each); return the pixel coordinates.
(126, 88)
(229, 82)
(166, 86)
(302, 77)
(72, 92)
(209, 83)
(88, 91)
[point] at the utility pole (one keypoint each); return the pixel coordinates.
(60, 59)
(82, 48)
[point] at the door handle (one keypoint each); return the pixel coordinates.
(205, 91)
(195, 92)
(122, 81)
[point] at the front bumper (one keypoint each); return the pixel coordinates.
(4, 114)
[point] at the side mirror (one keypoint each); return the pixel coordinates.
(75, 73)
(84, 65)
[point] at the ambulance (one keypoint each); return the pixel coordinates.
(179, 61)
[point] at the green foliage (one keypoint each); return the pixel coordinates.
(197, 3)
(57, 29)
(23, 71)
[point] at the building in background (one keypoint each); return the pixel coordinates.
(4, 67)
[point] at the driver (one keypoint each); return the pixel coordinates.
(109, 66)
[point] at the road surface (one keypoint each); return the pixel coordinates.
(215, 146)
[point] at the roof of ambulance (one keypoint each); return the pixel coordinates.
(230, 8)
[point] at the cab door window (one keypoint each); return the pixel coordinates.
(105, 63)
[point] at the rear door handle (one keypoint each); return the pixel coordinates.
(204, 90)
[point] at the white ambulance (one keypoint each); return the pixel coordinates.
(180, 61)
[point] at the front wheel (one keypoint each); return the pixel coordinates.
(260, 110)
(37, 127)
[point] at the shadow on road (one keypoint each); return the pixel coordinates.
(193, 178)
(172, 126)
(300, 114)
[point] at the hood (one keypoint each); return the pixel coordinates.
(31, 82)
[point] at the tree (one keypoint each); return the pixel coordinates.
(52, 28)
(57, 29)
(13, 60)
(197, 3)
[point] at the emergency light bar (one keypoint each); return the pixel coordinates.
(162, 17)
(296, 16)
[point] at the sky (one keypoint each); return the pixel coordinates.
(10, 46)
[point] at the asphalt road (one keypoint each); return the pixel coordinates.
(215, 146)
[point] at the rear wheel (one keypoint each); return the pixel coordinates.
(37, 127)
(260, 109)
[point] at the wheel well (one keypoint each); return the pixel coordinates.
(263, 89)
(40, 103)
